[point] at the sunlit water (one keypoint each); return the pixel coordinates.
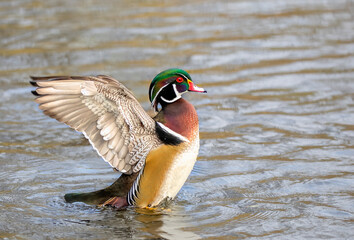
(277, 124)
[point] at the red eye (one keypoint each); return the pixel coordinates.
(179, 79)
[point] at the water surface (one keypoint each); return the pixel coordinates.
(277, 124)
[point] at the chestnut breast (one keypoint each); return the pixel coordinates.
(182, 118)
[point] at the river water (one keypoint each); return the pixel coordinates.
(276, 127)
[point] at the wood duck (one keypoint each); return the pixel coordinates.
(154, 154)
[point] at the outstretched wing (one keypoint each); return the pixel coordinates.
(105, 111)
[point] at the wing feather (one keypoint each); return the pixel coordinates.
(111, 135)
(105, 111)
(61, 102)
(51, 90)
(119, 145)
(51, 98)
(114, 141)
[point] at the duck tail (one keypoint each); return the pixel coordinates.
(95, 198)
(119, 188)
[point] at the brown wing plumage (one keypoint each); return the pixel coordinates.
(105, 111)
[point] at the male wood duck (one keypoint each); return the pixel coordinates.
(155, 155)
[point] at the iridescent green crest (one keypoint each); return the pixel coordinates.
(163, 79)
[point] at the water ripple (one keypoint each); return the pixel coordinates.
(276, 125)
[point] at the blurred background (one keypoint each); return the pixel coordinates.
(277, 124)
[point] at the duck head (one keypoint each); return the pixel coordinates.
(169, 85)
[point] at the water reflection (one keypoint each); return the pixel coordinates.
(276, 126)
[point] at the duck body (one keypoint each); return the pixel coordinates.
(168, 166)
(155, 155)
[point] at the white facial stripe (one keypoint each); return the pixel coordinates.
(179, 136)
(168, 101)
(153, 100)
(183, 76)
(178, 95)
